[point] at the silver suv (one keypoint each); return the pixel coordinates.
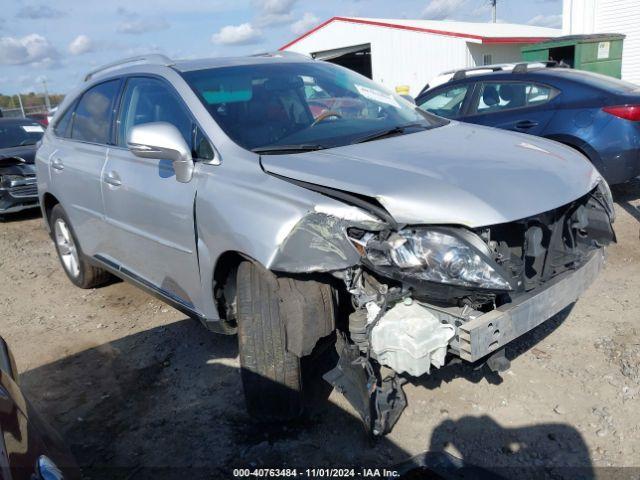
(304, 206)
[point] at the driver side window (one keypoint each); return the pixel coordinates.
(147, 100)
(447, 104)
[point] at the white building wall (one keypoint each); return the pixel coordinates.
(608, 16)
(398, 57)
(499, 53)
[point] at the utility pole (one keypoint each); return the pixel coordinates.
(21, 107)
(47, 102)
(494, 9)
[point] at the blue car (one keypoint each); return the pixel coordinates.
(595, 114)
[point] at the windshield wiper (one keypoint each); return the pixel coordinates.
(274, 149)
(398, 130)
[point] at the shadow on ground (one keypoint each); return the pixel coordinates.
(167, 403)
(626, 193)
(23, 215)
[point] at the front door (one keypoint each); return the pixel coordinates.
(151, 215)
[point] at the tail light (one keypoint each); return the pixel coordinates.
(628, 112)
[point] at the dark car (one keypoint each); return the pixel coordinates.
(29, 448)
(41, 118)
(18, 187)
(595, 114)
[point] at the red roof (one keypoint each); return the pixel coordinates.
(483, 39)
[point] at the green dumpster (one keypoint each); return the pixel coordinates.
(601, 53)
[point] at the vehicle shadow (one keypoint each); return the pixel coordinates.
(551, 450)
(626, 193)
(29, 214)
(167, 403)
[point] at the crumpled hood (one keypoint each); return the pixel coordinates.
(457, 174)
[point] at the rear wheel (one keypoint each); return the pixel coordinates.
(271, 376)
(81, 273)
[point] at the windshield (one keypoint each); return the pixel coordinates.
(16, 135)
(307, 105)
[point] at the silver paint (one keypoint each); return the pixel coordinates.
(67, 248)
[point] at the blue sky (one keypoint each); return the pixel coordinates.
(60, 40)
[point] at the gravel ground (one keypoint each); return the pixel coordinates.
(132, 384)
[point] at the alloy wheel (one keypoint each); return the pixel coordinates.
(67, 248)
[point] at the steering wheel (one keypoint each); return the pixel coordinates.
(324, 115)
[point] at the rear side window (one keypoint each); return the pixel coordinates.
(497, 97)
(61, 128)
(448, 103)
(92, 121)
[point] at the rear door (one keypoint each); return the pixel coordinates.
(525, 107)
(83, 135)
(151, 215)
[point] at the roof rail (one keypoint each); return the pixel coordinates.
(462, 73)
(153, 58)
(523, 67)
(281, 53)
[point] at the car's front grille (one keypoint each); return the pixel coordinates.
(22, 191)
(536, 249)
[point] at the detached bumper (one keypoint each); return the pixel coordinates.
(493, 330)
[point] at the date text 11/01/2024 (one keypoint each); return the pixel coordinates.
(315, 473)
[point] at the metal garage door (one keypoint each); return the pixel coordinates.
(623, 16)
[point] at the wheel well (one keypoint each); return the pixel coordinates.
(224, 286)
(49, 201)
(580, 146)
(579, 149)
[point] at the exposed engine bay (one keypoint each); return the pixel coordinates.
(417, 288)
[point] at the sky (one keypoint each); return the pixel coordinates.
(58, 41)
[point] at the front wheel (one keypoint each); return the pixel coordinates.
(81, 273)
(271, 376)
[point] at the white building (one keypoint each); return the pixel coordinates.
(608, 16)
(412, 52)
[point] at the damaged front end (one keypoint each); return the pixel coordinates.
(422, 293)
(18, 185)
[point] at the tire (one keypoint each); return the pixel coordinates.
(81, 273)
(271, 376)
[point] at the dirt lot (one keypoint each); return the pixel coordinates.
(131, 383)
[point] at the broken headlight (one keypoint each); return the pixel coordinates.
(8, 180)
(442, 255)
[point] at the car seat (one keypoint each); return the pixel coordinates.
(513, 95)
(490, 96)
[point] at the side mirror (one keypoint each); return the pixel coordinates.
(163, 141)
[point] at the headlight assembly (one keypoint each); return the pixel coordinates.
(9, 180)
(442, 255)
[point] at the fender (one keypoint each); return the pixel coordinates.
(580, 145)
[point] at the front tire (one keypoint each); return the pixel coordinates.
(81, 273)
(271, 376)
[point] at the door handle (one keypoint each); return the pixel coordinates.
(113, 179)
(57, 164)
(526, 124)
